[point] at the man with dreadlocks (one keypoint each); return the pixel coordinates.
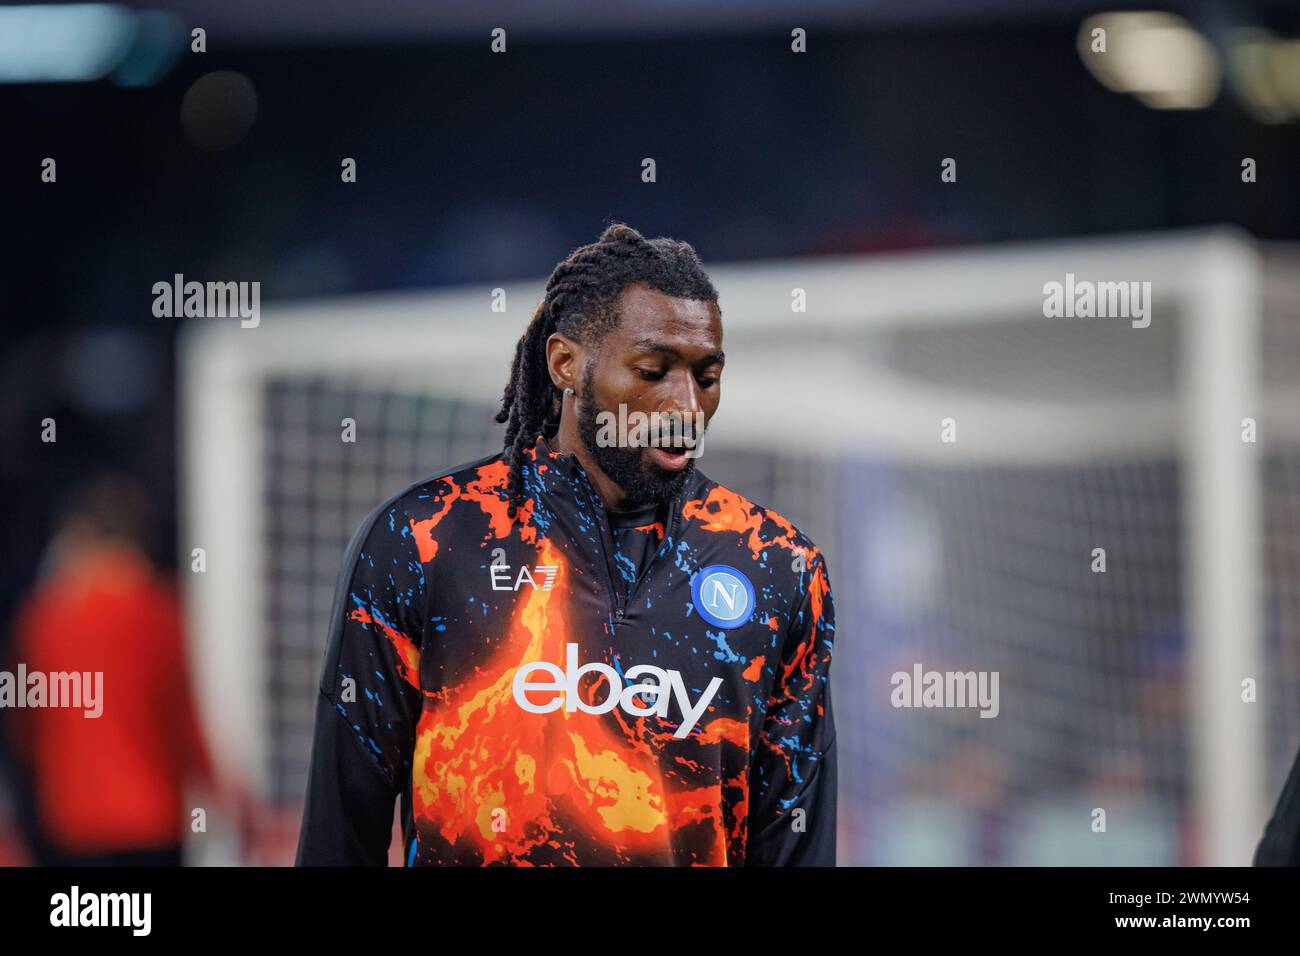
(581, 650)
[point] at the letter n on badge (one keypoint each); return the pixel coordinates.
(723, 596)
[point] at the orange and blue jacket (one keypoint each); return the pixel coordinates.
(531, 702)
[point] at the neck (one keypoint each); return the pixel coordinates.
(569, 442)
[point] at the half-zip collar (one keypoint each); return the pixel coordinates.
(572, 467)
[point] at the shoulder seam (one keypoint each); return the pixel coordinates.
(767, 510)
(438, 477)
(353, 552)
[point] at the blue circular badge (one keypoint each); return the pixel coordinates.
(723, 596)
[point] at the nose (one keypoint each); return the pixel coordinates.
(684, 398)
(683, 408)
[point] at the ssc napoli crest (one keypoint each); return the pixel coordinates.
(722, 596)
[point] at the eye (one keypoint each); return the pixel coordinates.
(650, 374)
(707, 381)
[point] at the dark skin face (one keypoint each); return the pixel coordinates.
(665, 355)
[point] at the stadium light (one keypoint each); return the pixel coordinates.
(83, 42)
(1265, 72)
(1159, 58)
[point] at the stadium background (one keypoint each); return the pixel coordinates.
(478, 170)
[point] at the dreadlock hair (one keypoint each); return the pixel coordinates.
(581, 302)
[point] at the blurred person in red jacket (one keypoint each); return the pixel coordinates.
(108, 789)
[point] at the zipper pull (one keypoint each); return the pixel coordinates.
(618, 613)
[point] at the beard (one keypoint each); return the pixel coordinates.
(630, 468)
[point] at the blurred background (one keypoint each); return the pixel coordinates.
(478, 171)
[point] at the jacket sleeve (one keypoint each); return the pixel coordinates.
(1280, 845)
(792, 781)
(369, 698)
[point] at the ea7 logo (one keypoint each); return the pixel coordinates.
(501, 577)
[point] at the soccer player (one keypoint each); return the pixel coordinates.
(581, 650)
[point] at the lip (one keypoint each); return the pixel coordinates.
(669, 461)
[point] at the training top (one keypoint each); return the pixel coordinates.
(1280, 844)
(536, 696)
